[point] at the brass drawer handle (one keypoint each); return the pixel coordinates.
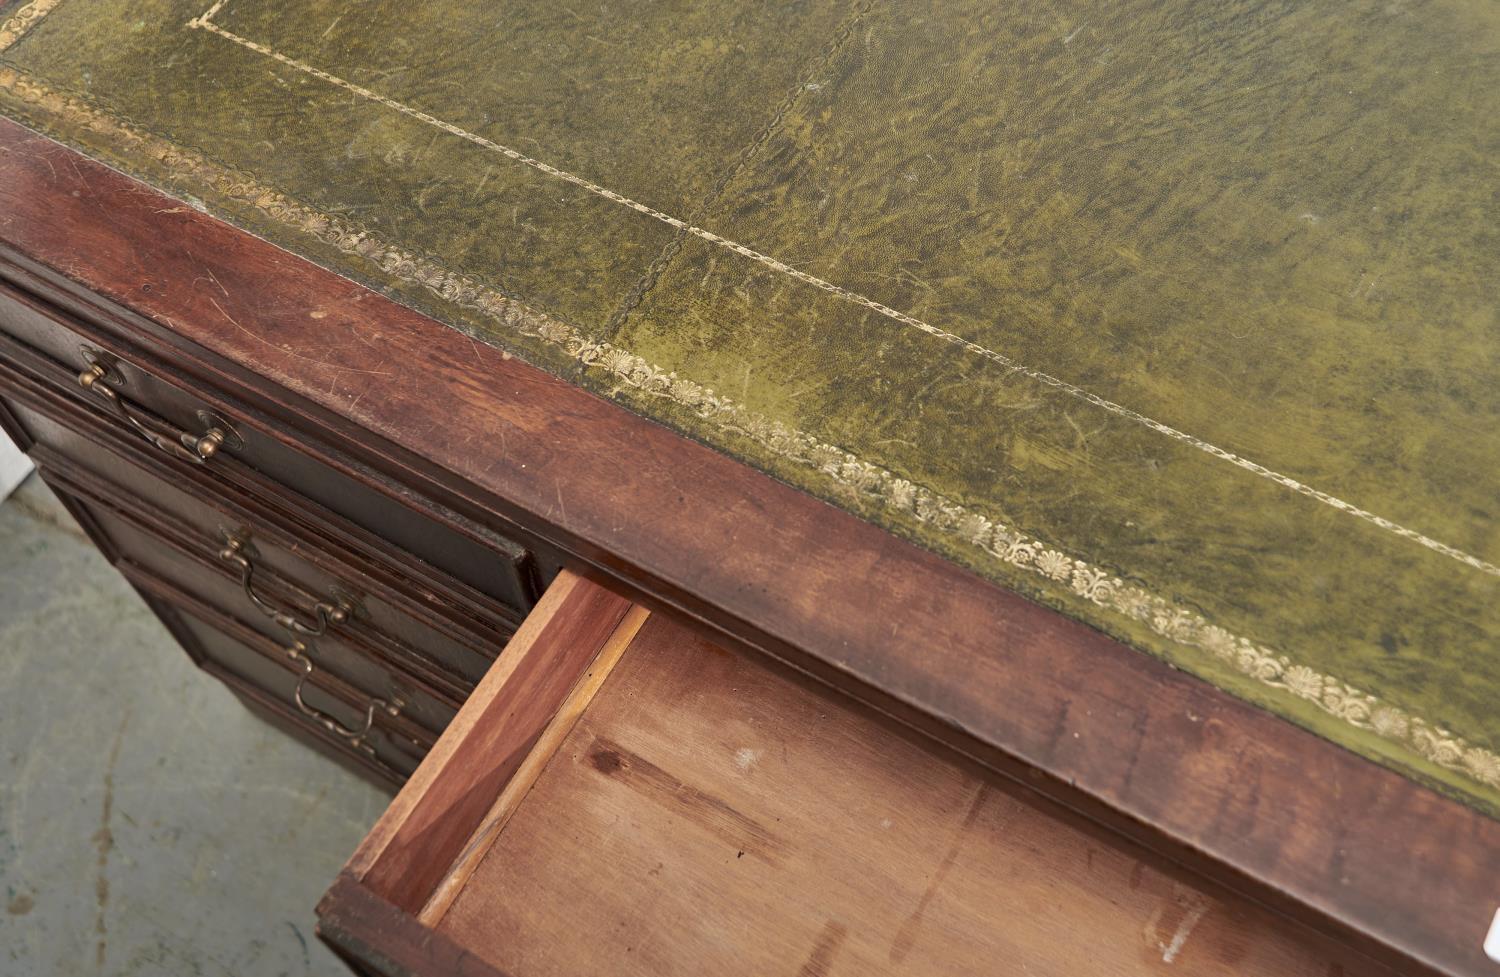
(238, 551)
(356, 737)
(196, 448)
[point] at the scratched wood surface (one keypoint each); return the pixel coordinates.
(710, 816)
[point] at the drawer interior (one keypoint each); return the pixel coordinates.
(676, 808)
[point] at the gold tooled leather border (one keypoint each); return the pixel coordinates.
(1054, 568)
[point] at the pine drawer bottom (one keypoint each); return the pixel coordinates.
(620, 796)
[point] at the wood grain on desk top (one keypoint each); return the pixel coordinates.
(1178, 318)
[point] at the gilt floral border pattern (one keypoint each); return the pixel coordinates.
(1055, 568)
(24, 20)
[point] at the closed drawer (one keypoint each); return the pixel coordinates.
(330, 715)
(442, 638)
(351, 649)
(620, 796)
(272, 457)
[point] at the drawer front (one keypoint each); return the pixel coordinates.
(64, 351)
(351, 650)
(441, 638)
(249, 666)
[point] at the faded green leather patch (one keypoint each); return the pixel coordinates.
(1181, 318)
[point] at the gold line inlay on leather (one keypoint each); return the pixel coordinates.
(1054, 568)
(203, 22)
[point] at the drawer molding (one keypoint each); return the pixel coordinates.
(414, 664)
(45, 353)
(398, 730)
(449, 604)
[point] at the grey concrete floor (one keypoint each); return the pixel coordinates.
(149, 825)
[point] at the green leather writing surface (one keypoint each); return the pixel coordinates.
(1181, 318)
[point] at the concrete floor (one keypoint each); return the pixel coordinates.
(149, 824)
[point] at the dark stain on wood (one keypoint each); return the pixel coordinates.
(1230, 935)
(606, 762)
(825, 948)
(906, 937)
(709, 812)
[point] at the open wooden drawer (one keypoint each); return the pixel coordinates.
(620, 796)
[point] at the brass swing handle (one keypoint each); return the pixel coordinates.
(238, 551)
(198, 449)
(357, 737)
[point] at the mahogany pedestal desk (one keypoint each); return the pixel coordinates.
(654, 709)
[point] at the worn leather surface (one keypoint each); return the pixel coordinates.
(1178, 317)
